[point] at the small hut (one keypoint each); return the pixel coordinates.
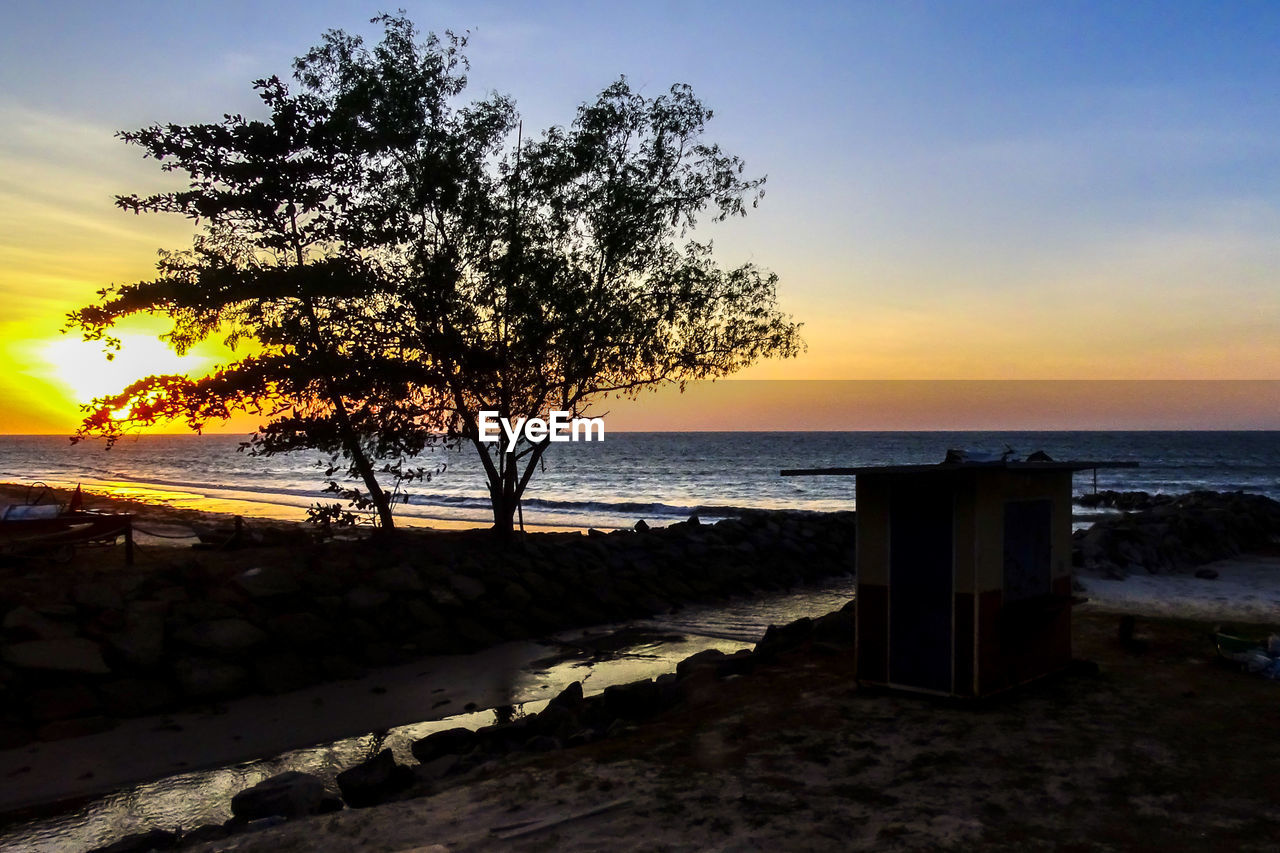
(963, 572)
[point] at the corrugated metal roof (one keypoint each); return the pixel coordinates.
(954, 467)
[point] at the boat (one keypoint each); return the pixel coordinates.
(43, 528)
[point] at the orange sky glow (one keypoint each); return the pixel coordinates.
(952, 196)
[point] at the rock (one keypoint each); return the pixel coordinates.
(837, 627)
(290, 794)
(707, 657)
(367, 598)
(222, 636)
(68, 654)
(1207, 574)
(543, 743)
(205, 832)
(374, 781)
(141, 643)
(267, 581)
(633, 701)
(785, 638)
(570, 698)
(448, 742)
(202, 678)
(97, 595)
(642, 526)
(740, 662)
(305, 632)
(141, 842)
(436, 768)
(23, 623)
(398, 579)
(557, 721)
(467, 588)
(582, 737)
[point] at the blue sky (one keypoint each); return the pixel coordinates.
(956, 189)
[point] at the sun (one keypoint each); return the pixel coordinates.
(83, 369)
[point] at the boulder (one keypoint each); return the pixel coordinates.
(367, 598)
(467, 588)
(633, 701)
(267, 581)
(785, 638)
(837, 627)
(305, 632)
(570, 698)
(707, 657)
(400, 578)
(141, 642)
(290, 794)
(141, 842)
(23, 623)
(222, 636)
(97, 595)
(543, 743)
(202, 678)
(448, 742)
(375, 781)
(67, 654)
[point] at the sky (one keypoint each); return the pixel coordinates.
(956, 190)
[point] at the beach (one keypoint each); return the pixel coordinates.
(791, 751)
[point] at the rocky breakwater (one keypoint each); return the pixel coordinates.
(1164, 534)
(85, 646)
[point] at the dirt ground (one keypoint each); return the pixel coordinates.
(1162, 748)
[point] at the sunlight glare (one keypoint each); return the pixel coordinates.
(83, 368)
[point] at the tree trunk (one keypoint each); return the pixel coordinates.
(381, 501)
(504, 518)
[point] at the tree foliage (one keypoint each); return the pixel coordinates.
(402, 261)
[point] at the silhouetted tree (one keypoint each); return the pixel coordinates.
(290, 261)
(461, 269)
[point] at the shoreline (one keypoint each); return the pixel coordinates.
(150, 499)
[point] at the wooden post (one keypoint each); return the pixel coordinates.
(128, 541)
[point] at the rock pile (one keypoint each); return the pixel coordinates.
(1176, 534)
(117, 643)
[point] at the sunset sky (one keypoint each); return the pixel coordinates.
(956, 190)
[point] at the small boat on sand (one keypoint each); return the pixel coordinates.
(43, 528)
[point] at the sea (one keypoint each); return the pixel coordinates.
(661, 477)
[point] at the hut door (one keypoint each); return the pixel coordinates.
(920, 586)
